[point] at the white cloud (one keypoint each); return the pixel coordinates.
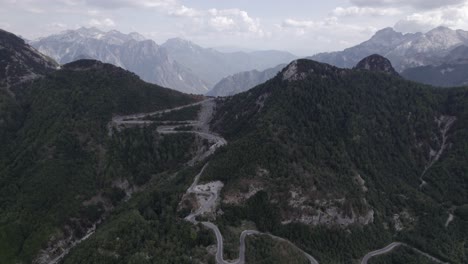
(183, 11)
(233, 20)
(106, 22)
(365, 11)
(293, 23)
(222, 23)
(417, 4)
(113, 4)
(324, 35)
(451, 16)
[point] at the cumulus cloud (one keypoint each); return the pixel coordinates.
(365, 11)
(233, 20)
(183, 11)
(417, 4)
(450, 16)
(113, 4)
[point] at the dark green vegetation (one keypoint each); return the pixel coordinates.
(10, 119)
(265, 250)
(316, 131)
(148, 230)
(59, 154)
(462, 212)
(402, 255)
(188, 113)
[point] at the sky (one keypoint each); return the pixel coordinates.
(303, 27)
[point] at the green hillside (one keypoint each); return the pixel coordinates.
(61, 154)
(318, 138)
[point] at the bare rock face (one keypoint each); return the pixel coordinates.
(376, 63)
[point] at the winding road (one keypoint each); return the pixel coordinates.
(201, 128)
(394, 245)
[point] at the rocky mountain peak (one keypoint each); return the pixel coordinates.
(302, 68)
(388, 31)
(440, 29)
(376, 63)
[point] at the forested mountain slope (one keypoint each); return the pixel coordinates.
(61, 171)
(344, 161)
(19, 64)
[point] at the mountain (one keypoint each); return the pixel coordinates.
(243, 81)
(376, 63)
(62, 171)
(212, 65)
(445, 75)
(132, 52)
(403, 50)
(458, 55)
(345, 161)
(453, 72)
(20, 62)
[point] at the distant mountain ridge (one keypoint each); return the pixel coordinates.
(243, 81)
(403, 50)
(452, 72)
(212, 65)
(129, 51)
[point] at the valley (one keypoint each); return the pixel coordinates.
(117, 150)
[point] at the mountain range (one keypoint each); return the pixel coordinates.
(438, 57)
(452, 71)
(177, 64)
(403, 50)
(201, 60)
(132, 52)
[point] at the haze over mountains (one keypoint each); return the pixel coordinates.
(243, 81)
(201, 60)
(178, 63)
(438, 57)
